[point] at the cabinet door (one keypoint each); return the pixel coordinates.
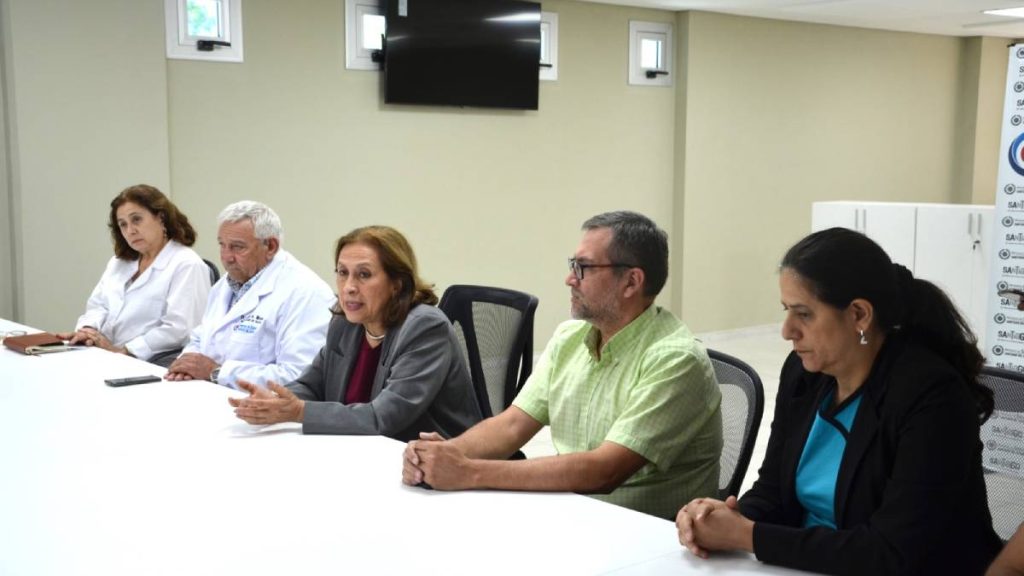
(835, 214)
(894, 227)
(984, 242)
(947, 254)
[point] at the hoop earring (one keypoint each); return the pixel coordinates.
(863, 340)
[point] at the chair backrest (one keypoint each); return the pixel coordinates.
(742, 408)
(495, 327)
(214, 271)
(165, 358)
(1002, 437)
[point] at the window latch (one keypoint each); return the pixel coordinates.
(207, 45)
(655, 73)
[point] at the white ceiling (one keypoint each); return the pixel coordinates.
(948, 17)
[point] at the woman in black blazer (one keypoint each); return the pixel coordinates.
(874, 461)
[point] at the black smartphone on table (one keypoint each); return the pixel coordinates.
(117, 382)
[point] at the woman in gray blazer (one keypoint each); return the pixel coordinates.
(391, 365)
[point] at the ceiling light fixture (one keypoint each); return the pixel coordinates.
(1012, 12)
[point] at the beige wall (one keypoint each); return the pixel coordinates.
(780, 114)
(991, 90)
(983, 70)
(87, 113)
(766, 117)
(7, 236)
(967, 119)
(485, 197)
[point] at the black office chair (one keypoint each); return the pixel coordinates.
(495, 327)
(214, 272)
(1004, 479)
(742, 408)
(165, 359)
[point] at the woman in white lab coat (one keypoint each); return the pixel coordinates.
(154, 289)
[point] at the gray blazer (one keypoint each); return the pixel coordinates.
(422, 383)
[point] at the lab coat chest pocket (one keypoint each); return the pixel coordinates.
(248, 336)
(148, 307)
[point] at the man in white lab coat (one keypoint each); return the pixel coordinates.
(267, 317)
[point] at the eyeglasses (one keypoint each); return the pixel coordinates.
(578, 268)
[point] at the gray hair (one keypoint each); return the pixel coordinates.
(636, 241)
(265, 222)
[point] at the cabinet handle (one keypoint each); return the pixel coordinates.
(970, 225)
(979, 228)
(864, 220)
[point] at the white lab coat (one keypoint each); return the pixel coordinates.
(274, 330)
(156, 313)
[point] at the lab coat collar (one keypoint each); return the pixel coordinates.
(162, 260)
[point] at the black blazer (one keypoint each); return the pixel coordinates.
(910, 497)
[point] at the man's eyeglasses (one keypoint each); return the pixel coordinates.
(578, 268)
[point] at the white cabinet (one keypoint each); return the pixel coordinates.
(954, 251)
(948, 244)
(890, 224)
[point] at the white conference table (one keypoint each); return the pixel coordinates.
(162, 479)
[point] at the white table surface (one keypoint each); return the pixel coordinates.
(162, 479)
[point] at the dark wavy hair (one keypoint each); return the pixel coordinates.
(175, 223)
(840, 265)
(399, 263)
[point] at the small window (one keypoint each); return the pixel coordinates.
(373, 31)
(650, 53)
(206, 19)
(204, 29)
(548, 46)
(364, 30)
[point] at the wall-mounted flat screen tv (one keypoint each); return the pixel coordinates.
(483, 53)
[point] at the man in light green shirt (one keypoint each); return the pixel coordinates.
(629, 394)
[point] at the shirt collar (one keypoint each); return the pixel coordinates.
(623, 337)
(239, 288)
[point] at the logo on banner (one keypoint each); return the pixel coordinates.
(999, 318)
(1020, 52)
(1015, 154)
(997, 350)
(1015, 120)
(1010, 188)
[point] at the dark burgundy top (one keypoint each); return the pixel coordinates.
(361, 382)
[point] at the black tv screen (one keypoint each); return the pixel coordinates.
(482, 53)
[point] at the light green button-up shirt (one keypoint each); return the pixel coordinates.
(653, 390)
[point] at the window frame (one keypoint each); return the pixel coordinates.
(550, 73)
(182, 46)
(357, 57)
(662, 31)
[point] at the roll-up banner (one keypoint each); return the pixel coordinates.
(1003, 435)
(1005, 336)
